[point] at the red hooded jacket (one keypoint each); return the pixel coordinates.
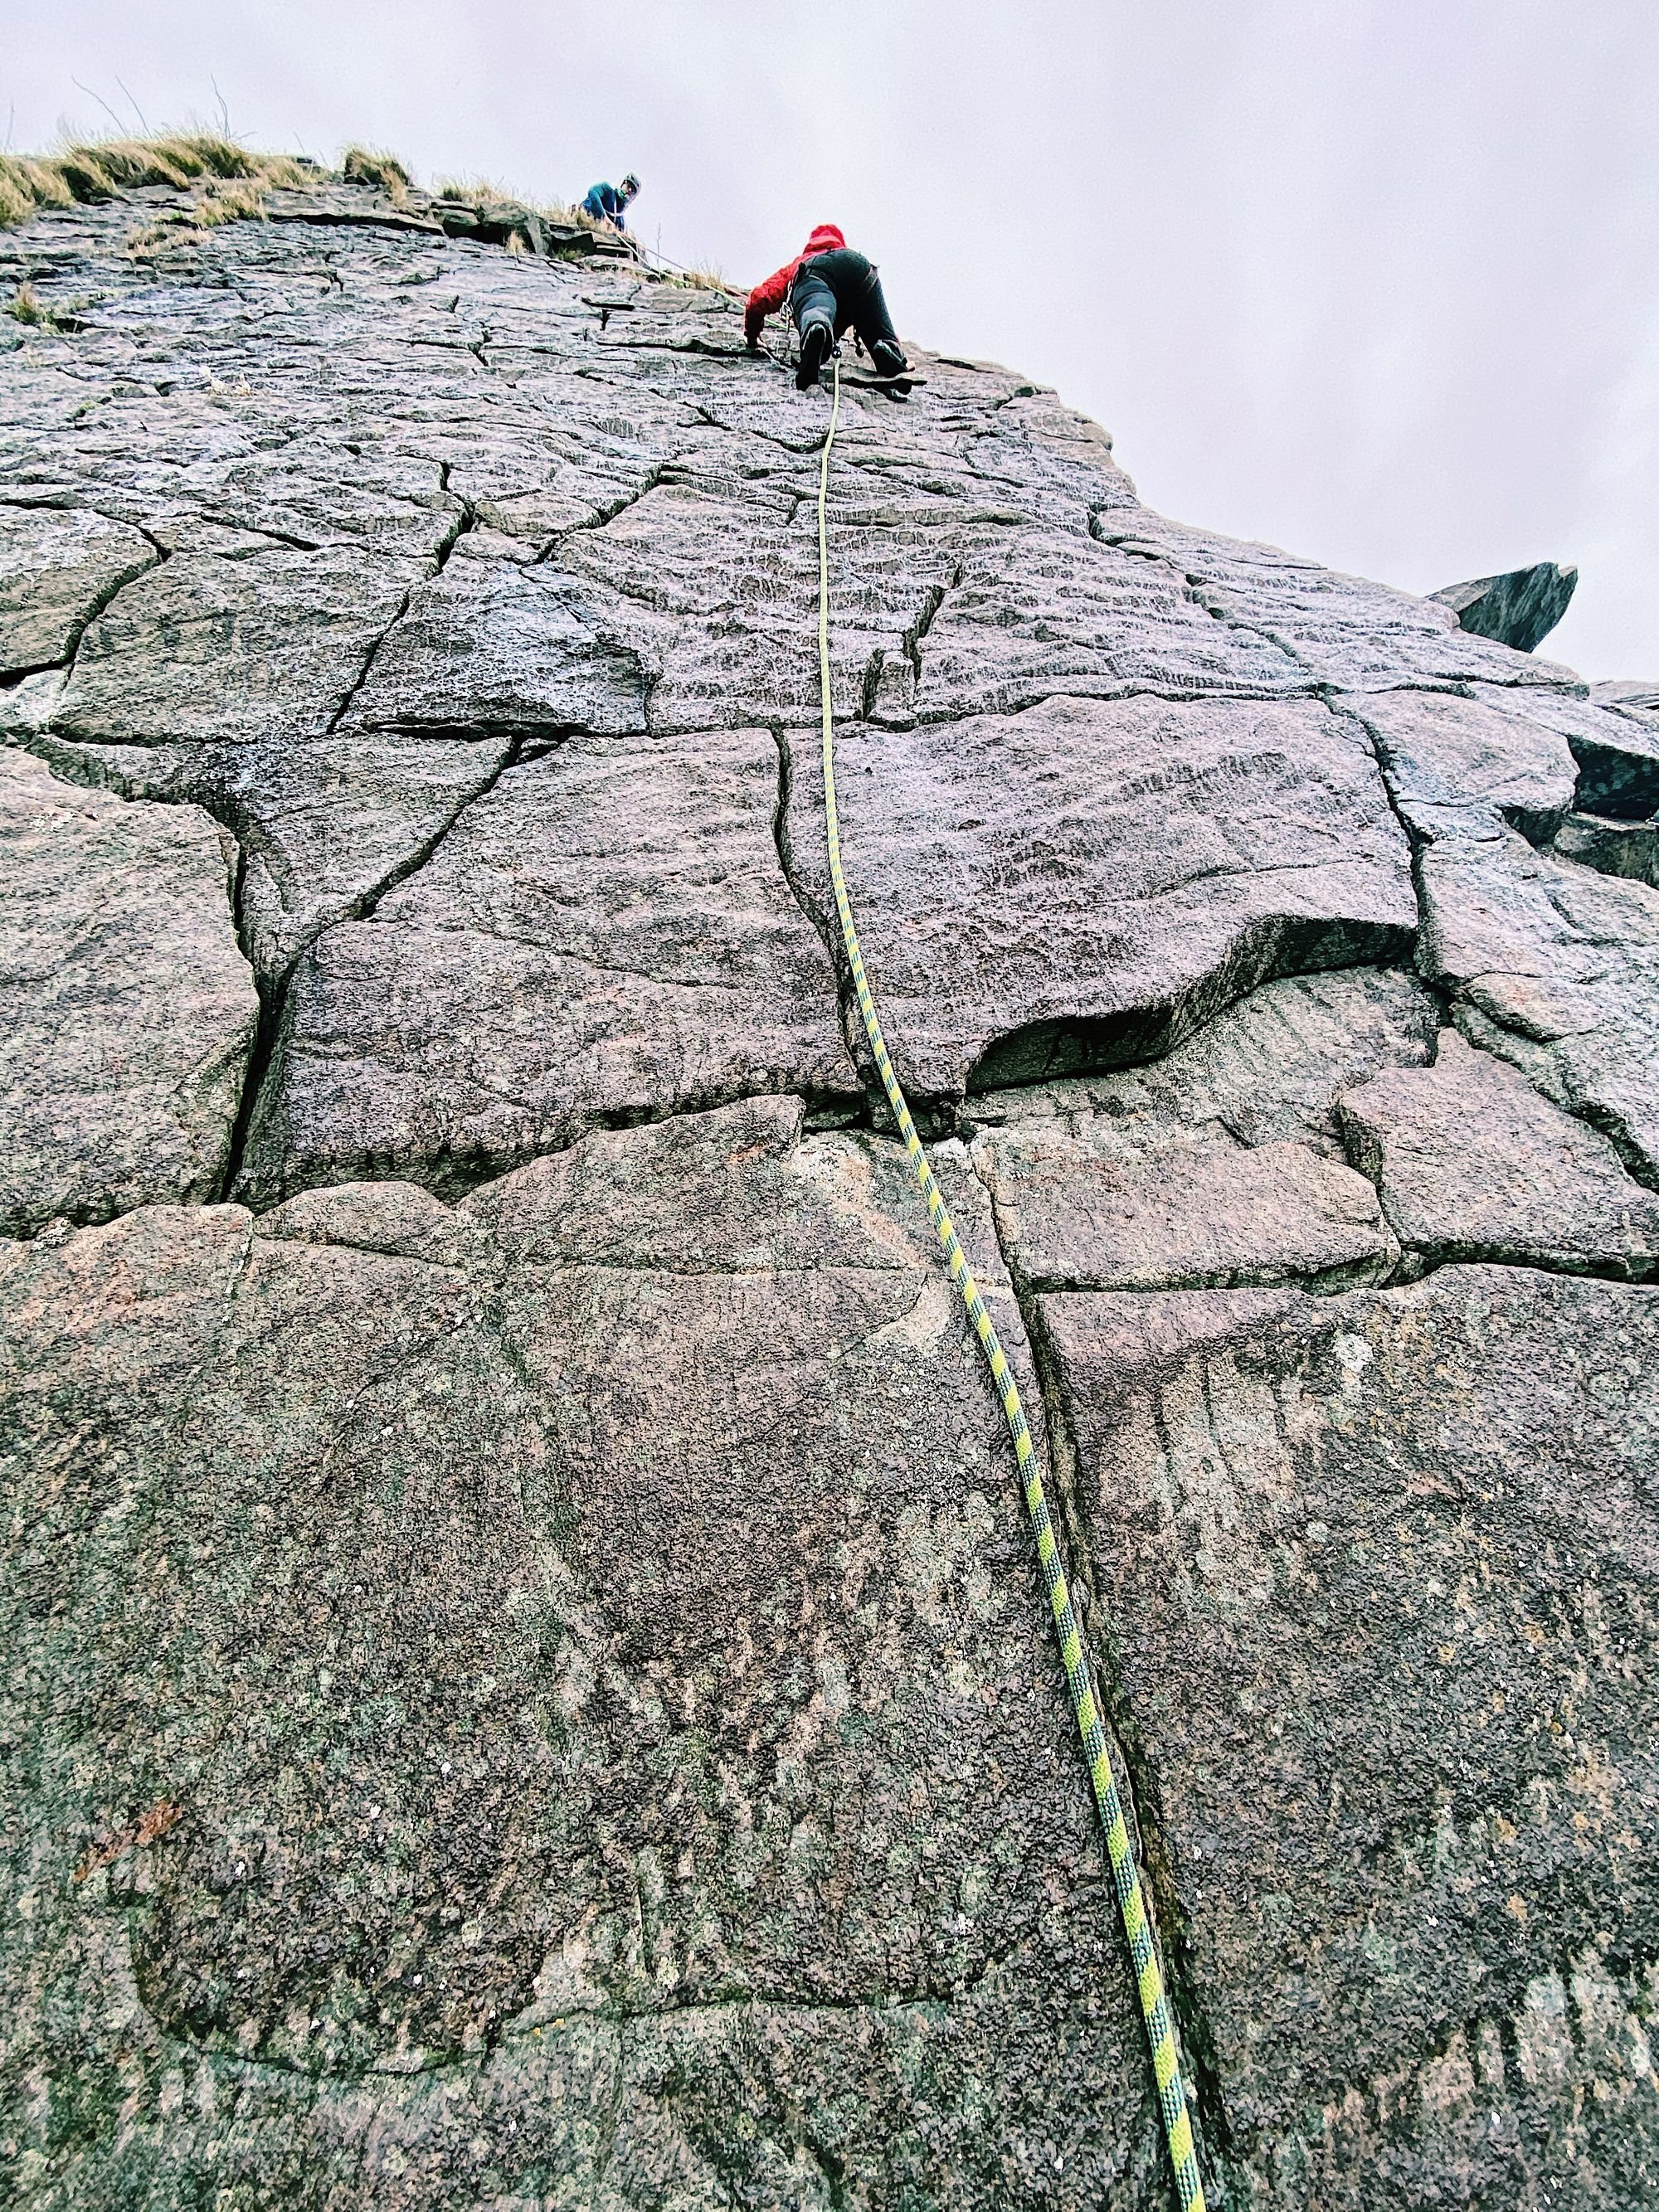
(766, 299)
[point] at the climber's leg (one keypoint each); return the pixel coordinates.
(813, 303)
(833, 293)
(875, 328)
(861, 304)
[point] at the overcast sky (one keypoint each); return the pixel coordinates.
(1377, 280)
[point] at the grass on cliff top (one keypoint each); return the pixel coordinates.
(229, 178)
(483, 193)
(373, 164)
(98, 168)
(230, 181)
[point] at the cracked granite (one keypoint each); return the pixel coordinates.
(525, 1682)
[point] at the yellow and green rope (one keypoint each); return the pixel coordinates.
(1126, 1875)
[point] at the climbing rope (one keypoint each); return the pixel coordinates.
(1154, 2008)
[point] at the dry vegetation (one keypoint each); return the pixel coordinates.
(27, 306)
(57, 318)
(705, 278)
(482, 193)
(228, 182)
(215, 204)
(373, 165)
(97, 169)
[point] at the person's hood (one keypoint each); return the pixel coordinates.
(826, 238)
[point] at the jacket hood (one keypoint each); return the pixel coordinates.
(825, 238)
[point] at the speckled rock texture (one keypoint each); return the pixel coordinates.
(524, 1680)
(127, 1013)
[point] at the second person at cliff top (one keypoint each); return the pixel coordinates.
(608, 202)
(827, 288)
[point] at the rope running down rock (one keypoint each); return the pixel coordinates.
(1154, 2007)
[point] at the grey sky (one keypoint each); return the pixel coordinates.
(1374, 279)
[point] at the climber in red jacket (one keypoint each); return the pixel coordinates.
(826, 288)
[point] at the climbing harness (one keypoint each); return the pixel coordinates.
(1154, 2008)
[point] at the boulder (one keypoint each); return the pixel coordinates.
(1518, 608)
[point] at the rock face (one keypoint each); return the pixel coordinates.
(127, 1013)
(1379, 1566)
(525, 1679)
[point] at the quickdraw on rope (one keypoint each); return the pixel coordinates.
(1154, 2007)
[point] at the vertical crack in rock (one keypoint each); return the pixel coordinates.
(273, 993)
(1131, 1756)
(871, 679)
(465, 521)
(273, 997)
(924, 622)
(876, 1113)
(369, 658)
(1413, 841)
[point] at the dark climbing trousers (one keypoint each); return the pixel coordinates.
(841, 288)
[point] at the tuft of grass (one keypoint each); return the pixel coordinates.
(91, 171)
(471, 191)
(218, 202)
(705, 276)
(26, 186)
(373, 165)
(482, 193)
(28, 306)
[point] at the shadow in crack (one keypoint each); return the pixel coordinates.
(1277, 946)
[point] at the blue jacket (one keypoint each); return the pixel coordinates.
(606, 201)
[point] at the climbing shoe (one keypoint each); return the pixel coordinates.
(815, 342)
(889, 360)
